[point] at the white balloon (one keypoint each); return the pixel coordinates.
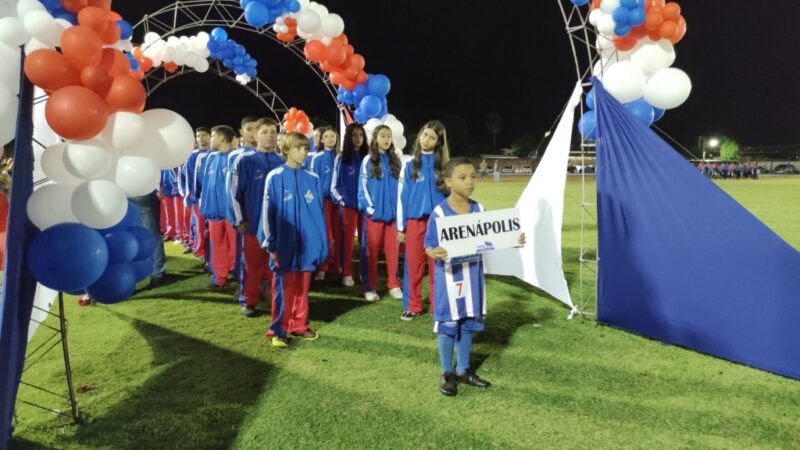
(668, 88)
(202, 66)
(399, 142)
(8, 121)
(50, 205)
(35, 44)
(12, 32)
(137, 175)
(99, 204)
(10, 67)
(608, 6)
(396, 126)
(87, 160)
(42, 26)
(606, 25)
(169, 139)
(123, 131)
(332, 25)
(53, 165)
(653, 56)
(25, 7)
(594, 16)
(624, 81)
(308, 21)
(6, 9)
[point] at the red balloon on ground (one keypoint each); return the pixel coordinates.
(76, 113)
(126, 94)
(82, 46)
(50, 70)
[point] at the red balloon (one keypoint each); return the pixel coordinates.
(146, 64)
(74, 6)
(139, 76)
(624, 44)
(314, 50)
(76, 113)
(338, 78)
(638, 32)
(82, 46)
(335, 54)
(654, 4)
(290, 125)
(96, 78)
(126, 94)
(170, 67)
(362, 77)
(94, 18)
(105, 5)
(115, 62)
(51, 70)
(671, 11)
(113, 16)
(111, 34)
(668, 30)
(357, 62)
(340, 40)
(303, 127)
(350, 73)
(654, 20)
(681, 31)
(350, 50)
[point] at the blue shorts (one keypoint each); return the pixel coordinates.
(454, 328)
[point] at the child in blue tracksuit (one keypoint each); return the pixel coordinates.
(377, 200)
(421, 189)
(247, 132)
(344, 192)
(459, 284)
(293, 232)
(322, 166)
(169, 196)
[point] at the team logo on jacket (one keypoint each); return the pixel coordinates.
(327, 169)
(287, 196)
(309, 196)
(351, 171)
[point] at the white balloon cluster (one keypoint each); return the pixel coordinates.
(189, 51)
(314, 21)
(395, 125)
(93, 178)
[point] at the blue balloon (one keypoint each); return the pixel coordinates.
(360, 91)
(229, 52)
(142, 269)
(370, 106)
(219, 34)
(132, 219)
(378, 85)
(272, 3)
(238, 61)
(294, 6)
(384, 108)
(212, 45)
(115, 285)
(579, 2)
(122, 246)
(251, 72)
(622, 30)
(621, 16)
(588, 125)
(641, 110)
(251, 63)
(51, 5)
(238, 50)
(256, 14)
(68, 256)
(125, 29)
(244, 3)
(590, 100)
(359, 116)
(147, 242)
(637, 17)
(629, 4)
(658, 113)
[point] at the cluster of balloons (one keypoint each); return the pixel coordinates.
(396, 126)
(285, 28)
(112, 260)
(315, 22)
(369, 97)
(173, 52)
(297, 120)
(233, 55)
(259, 13)
(635, 68)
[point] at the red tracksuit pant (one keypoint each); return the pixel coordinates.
(256, 270)
(350, 222)
(289, 303)
(223, 250)
(333, 231)
(415, 266)
(170, 228)
(378, 235)
(182, 217)
(201, 243)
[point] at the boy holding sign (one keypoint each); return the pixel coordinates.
(458, 282)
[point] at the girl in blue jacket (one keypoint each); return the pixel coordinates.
(293, 232)
(344, 192)
(421, 188)
(322, 166)
(377, 200)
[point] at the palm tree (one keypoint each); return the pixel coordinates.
(494, 124)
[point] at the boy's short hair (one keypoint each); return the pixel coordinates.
(453, 163)
(293, 139)
(227, 132)
(248, 119)
(202, 130)
(267, 121)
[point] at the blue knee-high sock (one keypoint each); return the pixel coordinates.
(446, 344)
(463, 348)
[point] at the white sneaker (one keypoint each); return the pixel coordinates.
(396, 293)
(348, 281)
(320, 276)
(371, 296)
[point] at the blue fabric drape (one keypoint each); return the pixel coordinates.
(683, 262)
(19, 287)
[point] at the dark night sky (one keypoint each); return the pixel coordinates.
(469, 57)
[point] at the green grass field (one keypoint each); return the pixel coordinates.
(178, 367)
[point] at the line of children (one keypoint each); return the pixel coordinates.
(377, 201)
(421, 188)
(322, 165)
(344, 192)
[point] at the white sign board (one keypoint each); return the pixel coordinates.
(471, 234)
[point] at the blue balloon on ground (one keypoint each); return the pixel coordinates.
(147, 242)
(116, 284)
(370, 105)
(142, 269)
(125, 29)
(658, 113)
(378, 85)
(68, 257)
(219, 34)
(588, 125)
(590, 99)
(123, 246)
(641, 110)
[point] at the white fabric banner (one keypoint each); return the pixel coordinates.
(541, 208)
